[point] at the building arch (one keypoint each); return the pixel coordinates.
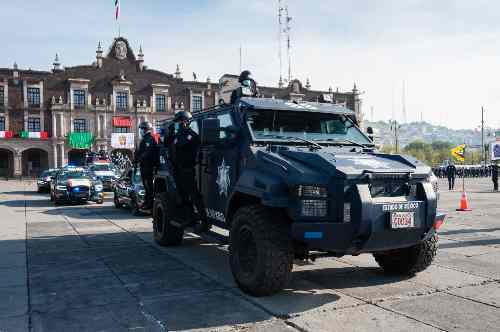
(6, 161)
(34, 161)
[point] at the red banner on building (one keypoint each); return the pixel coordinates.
(122, 121)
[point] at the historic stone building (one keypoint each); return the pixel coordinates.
(48, 119)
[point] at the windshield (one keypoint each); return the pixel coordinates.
(73, 175)
(101, 168)
(327, 127)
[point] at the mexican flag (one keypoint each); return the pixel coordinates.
(6, 134)
(34, 134)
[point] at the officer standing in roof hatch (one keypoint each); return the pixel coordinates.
(183, 144)
(248, 87)
(147, 157)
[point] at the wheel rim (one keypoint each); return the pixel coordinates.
(247, 251)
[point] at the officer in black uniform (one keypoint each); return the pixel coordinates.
(183, 145)
(248, 87)
(451, 171)
(147, 157)
(494, 176)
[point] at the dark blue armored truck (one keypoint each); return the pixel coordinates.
(293, 180)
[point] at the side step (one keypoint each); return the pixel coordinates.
(214, 235)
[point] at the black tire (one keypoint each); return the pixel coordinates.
(409, 261)
(117, 203)
(100, 201)
(164, 233)
(261, 250)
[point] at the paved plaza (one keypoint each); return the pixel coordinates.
(96, 268)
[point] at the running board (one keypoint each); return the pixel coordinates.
(209, 236)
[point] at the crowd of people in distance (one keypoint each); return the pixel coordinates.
(469, 171)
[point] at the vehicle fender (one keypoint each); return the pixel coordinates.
(271, 190)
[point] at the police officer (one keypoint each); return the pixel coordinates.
(147, 157)
(183, 144)
(451, 172)
(248, 87)
(494, 176)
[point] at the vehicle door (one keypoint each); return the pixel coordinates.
(219, 167)
(124, 185)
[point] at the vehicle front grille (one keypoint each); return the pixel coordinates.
(80, 189)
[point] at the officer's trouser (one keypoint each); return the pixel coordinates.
(147, 181)
(451, 182)
(495, 184)
(188, 190)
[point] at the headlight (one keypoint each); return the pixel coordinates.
(314, 208)
(141, 193)
(61, 187)
(98, 187)
(40, 182)
(434, 181)
(312, 191)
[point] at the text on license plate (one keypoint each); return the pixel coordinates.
(402, 219)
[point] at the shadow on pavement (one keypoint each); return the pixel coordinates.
(468, 231)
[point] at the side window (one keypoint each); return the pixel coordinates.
(194, 126)
(225, 122)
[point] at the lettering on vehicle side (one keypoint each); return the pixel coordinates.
(400, 206)
(216, 215)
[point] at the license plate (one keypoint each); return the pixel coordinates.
(402, 220)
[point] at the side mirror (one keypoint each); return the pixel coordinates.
(369, 132)
(210, 131)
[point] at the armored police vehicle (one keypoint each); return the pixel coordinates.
(300, 180)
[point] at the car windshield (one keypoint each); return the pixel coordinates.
(73, 175)
(47, 173)
(101, 168)
(326, 127)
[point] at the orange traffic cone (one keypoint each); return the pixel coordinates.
(464, 203)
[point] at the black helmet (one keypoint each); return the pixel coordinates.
(146, 125)
(183, 116)
(245, 75)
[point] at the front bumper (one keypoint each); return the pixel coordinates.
(369, 229)
(43, 185)
(72, 196)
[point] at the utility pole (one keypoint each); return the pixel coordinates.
(483, 157)
(395, 132)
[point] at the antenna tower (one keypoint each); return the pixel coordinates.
(280, 54)
(403, 101)
(288, 43)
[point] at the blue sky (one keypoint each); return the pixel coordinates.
(446, 51)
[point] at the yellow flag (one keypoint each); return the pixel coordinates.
(459, 152)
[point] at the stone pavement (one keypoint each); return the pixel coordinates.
(96, 268)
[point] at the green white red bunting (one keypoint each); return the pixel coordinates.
(34, 134)
(6, 134)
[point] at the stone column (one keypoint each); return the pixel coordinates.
(18, 170)
(54, 153)
(42, 111)
(54, 125)
(61, 122)
(64, 158)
